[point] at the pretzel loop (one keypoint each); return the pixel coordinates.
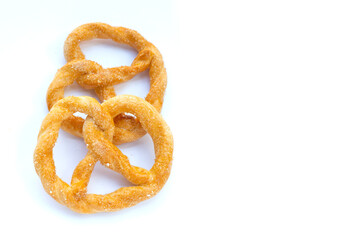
(72, 50)
(44, 163)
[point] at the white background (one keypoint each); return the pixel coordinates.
(263, 101)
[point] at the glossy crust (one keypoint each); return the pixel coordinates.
(98, 132)
(91, 75)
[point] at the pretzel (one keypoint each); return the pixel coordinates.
(98, 131)
(91, 75)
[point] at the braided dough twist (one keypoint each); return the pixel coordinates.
(91, 75)
(98, 131)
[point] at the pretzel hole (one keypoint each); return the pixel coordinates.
(80, 114)
(129, 115)
(108, 53)
(104, 180)
(67, 153)
(138, 85)
(140, 153)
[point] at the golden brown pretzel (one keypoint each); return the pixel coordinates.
(91, 75)
(98, 132)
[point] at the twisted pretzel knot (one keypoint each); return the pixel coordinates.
(91, 75)
(98, 132)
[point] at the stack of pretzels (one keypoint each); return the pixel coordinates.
(117, 120)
